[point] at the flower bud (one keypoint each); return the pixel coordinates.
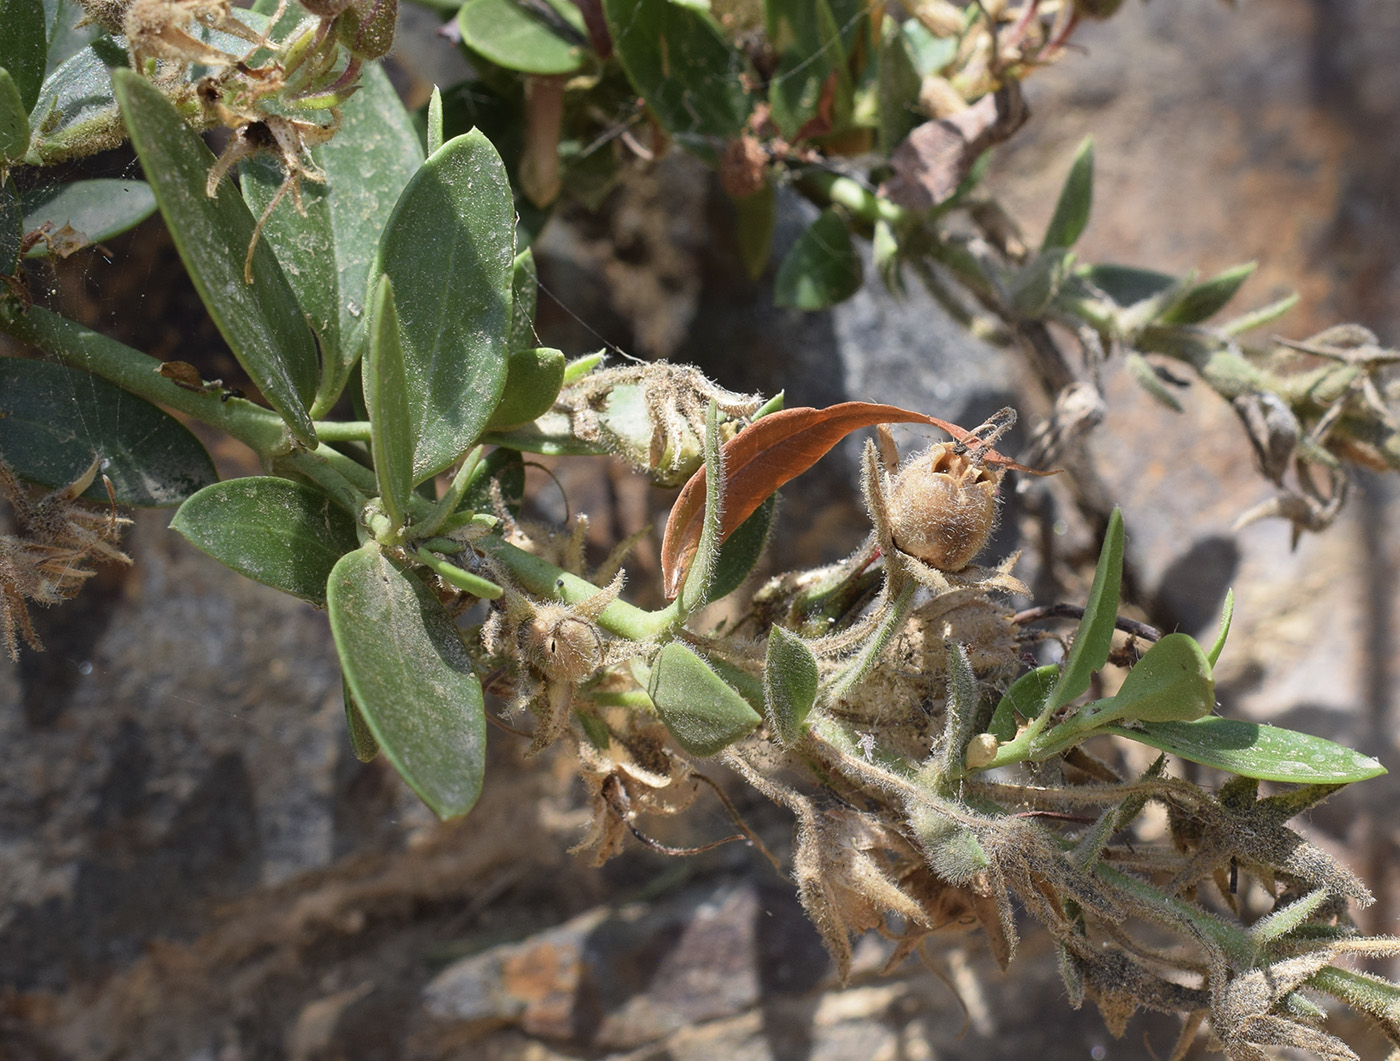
(943, 506)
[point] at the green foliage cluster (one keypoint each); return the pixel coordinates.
(386, 318)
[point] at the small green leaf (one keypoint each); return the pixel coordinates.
(959, 713)
(1260, 317)
(1253, 750)
(1205, 299)
(1026, 699)
(261, 322)
(1378, 998)
(435, 120)
(812, 69)
(951, 849)
(524, 294)
(55, 419)
(533, 380)
(685, 68)
(1171, 683)
(1036, 284)
(821, 269)
(362, 742)
(411, 677)
(24, 48)
(1094, 638)
(387, 402)
(14, 121)
(76, 112)
(702, 711)
(449, 248)
(509, 35)
(1146, 377)
(1295, 915)
(1227, 613)
(790, 679)
(755, 218)
(274, 531)
(1076, 198)
(464, 580)
(99, 208)
(740, 551)
(1124, 284)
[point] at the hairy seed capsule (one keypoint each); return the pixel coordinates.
(563, 646)
(943, 506)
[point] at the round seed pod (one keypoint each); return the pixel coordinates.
(943, 506)
(563, 646)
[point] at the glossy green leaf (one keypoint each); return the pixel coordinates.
(1253, 750)
(55, 419)
(387, 402)
(76, 112)
(684, 67)
(327, 253)
(533, 379)
(790, 681)
(821, 269)
(1076, 199)
(509, 35)
(1209, 297)
(24, 48)
(755, 218)
(274, 531)
(362, 742)
(14, 122)
(703, 712)
(99, 208)
(449, 248)
(411, 677)
(261, 322)
(1094, 638)
(524, 292)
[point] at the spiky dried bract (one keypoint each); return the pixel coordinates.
(47, 559)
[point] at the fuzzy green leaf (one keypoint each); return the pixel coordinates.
(100, 208)
(790, 678)
(76, 112)
(524, 292)
(1253, 750)
(1209, 297)
(280, 533)
(14, 122)
(695, 590)
(387, 402)
(740, 551)
(1378, 998)
(1076, 199)
(686, 69)
(24, 48)
(533, 379)
(951, 849)
(1124, 284)
(55, 419)
(261, 322)
(702, 711)
(411, 677)
(821, 269)
(509, 35)
(449, 248)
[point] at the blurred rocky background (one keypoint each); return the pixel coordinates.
(193, 865)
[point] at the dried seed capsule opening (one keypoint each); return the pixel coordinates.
(943, 506)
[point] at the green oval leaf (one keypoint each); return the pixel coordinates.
(1076, 198)
(684, 67)
(790, 680)
(55, 419)
(509, 35)
(533, 379)
(1253, 750)
(327, 253)
(14, 121)
(261, 322)
(702, 711)
(1171, 683)
(100, 208)
(449, 249)
(1209, 297)
(274, 531)
(411, 678)
(387, 402)
(1025, 698)
(821, 269)
(740, 551)
(76, 112)
(24, 47)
